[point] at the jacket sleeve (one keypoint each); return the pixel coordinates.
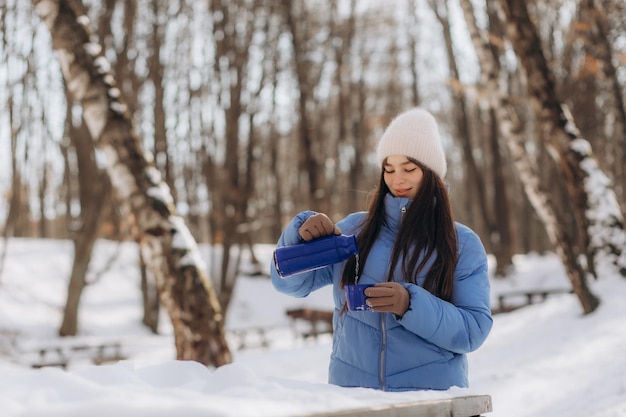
(299, 285)
(462, 325)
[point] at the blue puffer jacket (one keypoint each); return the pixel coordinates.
(424, 349)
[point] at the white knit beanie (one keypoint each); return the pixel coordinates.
(414, 133)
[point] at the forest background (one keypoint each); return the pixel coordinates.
(222, 119)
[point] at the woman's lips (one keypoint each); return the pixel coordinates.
(402, 192)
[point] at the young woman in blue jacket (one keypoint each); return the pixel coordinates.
(430, 301)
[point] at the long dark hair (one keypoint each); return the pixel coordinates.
(427, 228)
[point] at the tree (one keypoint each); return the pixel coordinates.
(594, 202)
(235, 24)
(528, 171)
(170, 252)
(302, 26)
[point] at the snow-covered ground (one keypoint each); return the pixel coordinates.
(544, 360)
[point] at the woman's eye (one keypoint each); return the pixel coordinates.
(410, 169)
(389, 172)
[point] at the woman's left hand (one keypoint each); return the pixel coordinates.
(388, 297)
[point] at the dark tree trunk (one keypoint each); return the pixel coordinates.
(502, 239)
(94, 192)
(150, 296)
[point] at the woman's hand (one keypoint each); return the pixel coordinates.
(316, 226)
(388, 297)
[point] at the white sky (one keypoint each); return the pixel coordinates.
(544, 360)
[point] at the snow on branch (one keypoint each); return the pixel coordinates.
(183, 241)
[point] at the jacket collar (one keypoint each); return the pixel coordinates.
(394, 210)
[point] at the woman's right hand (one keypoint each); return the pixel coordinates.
(316, 226)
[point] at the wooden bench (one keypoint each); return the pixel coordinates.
(318, 321)
(60, 356)
(250, 337)
(529, 297)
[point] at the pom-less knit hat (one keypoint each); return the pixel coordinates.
(415, 134)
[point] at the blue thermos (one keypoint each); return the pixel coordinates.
(314, 254)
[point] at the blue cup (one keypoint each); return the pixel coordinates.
(314, 254)
(355, 297)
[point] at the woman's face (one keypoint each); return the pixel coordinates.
(402, 176)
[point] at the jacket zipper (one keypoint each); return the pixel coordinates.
(383, 329)
(381, 365)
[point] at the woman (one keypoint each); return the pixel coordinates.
(430, 301)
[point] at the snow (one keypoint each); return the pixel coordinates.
(547, 359)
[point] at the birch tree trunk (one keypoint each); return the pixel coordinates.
(597, 212)
(170, 252)
(528, 172)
